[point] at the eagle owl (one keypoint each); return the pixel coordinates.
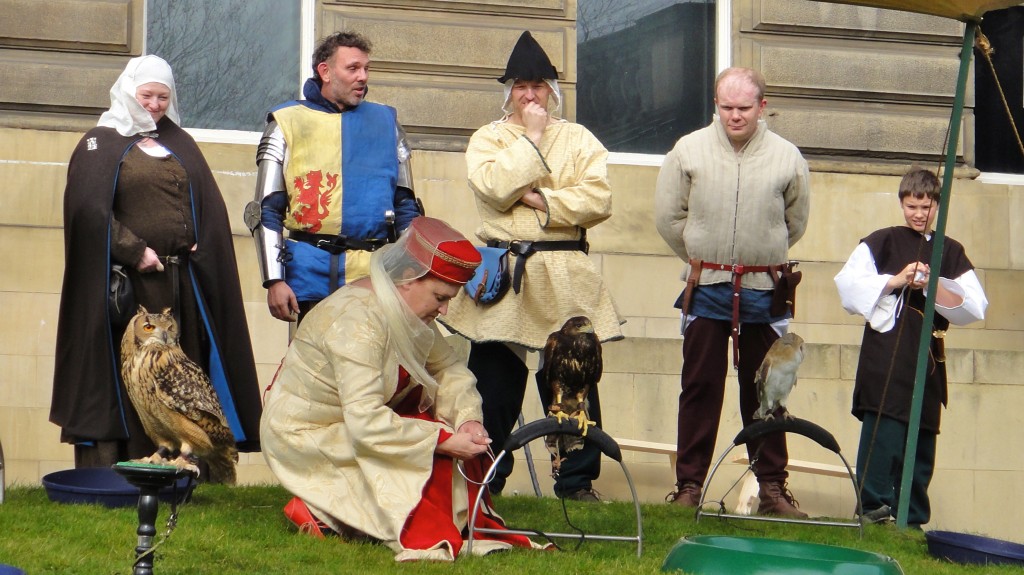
(777, 375)
(175, 401)
(572, 365)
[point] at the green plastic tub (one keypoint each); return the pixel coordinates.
(719, 555)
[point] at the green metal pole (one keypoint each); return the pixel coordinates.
(913, 426)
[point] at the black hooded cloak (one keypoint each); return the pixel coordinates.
(89, 400)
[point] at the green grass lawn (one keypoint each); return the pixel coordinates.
(241, 530)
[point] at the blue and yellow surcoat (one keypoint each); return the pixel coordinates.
(332, 193)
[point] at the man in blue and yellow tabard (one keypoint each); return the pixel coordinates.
(333, 171)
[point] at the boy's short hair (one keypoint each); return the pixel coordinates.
(920, 183)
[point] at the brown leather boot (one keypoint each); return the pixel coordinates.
(687, 496)
(776, 499)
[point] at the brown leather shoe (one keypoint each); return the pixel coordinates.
(776, 499)
(686, 496)
(588, 494)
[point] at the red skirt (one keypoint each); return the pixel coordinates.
(432, 521)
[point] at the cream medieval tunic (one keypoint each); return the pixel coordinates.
(329, 435)
(569, 170)
(726, 207)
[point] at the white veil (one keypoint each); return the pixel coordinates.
(126, 114)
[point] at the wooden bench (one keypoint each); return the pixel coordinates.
(668, 449)
(748, 492)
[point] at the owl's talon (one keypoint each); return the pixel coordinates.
(186, 463)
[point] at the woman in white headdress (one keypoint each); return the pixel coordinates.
(139, 193)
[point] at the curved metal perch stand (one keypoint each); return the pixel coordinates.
(548, 426)
(150, 479)
(793, 425)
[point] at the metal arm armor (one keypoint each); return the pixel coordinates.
(269, 180)
(404, 163)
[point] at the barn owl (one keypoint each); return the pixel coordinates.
(176, 403)
(777, 375)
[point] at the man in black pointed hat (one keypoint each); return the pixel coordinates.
(536, 178)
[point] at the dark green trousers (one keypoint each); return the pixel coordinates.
(880, 467)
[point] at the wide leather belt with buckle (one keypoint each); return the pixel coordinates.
(524, 249)
(737, 271)
(336, 244)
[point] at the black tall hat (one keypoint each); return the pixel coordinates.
(528, 62)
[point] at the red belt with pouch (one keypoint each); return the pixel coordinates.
(783, 276)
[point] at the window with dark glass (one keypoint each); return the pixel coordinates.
(646, 70)
(996, 145)
(232, 59)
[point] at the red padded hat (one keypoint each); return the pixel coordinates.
(445, 252)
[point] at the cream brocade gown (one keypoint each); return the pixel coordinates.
(328, 434)
(569, 170)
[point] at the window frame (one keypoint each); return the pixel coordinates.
(723, 60)
(307, 25)
(1001, 178)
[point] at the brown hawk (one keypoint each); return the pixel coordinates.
(176, 403)
(572, 365)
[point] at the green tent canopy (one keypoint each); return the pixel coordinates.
(964, 10)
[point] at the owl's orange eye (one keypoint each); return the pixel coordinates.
(148, 327)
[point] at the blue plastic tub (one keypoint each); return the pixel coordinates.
(10, 570)
(100, 485)
(973, 549)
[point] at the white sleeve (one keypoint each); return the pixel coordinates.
(974, 303)
(860, 285)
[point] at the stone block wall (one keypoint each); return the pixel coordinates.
(641, 382)
(436, 62)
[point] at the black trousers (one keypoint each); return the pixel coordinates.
(501, 380)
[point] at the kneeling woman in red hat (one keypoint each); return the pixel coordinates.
(372, 414)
